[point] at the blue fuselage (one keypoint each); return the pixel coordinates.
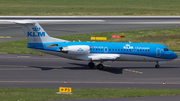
(152, 50)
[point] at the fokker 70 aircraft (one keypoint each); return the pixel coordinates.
(93, 51)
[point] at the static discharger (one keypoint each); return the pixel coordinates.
(98, 38)
(65, 90)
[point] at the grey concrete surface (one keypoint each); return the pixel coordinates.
(110, 24)
(17, 33)
(50, 72)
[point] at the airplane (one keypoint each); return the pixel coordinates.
(39, 40)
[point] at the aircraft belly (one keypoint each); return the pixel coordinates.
(127, 57)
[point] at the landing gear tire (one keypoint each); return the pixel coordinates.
(100, 66)
(91, 65)
(157, 66)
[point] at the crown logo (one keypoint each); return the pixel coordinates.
(36, 28)
(80, 49)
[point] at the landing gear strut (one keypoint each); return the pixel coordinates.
(91, 64)
(157, 65)
(100, 66)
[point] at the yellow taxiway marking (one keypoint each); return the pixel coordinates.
(5, 36)
(128, 70)
(104, 65)
(107, 65)
(133, 71)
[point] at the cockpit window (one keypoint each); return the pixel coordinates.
(166, 49)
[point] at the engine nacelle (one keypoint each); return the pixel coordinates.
(76, 49)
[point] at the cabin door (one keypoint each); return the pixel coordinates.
(158, 52)
(105, 49)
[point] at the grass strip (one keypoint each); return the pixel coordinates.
(89, 7)
(32, 94)
(168, 37)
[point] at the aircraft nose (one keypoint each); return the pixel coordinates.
(174, 55)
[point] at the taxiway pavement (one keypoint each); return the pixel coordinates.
(36, 71)
(11, 31)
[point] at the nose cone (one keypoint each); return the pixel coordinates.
(174, 55)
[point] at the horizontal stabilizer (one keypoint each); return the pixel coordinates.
(23, 22)
(49, 21)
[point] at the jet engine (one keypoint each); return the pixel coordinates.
(76, 49)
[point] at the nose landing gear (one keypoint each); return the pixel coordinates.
(157, 65)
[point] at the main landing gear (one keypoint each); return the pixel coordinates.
(157, 65)
(99, 66)
(91, 64)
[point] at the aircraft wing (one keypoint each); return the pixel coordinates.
(104, 57)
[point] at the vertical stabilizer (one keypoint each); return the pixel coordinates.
(35, 33)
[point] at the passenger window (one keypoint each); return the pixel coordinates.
(121, 49)
(93, 49)
(115, 49)
(101, 49)
(109, 49)
(118, 49)
(130, 50)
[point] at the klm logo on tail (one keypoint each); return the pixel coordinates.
(36, 33)
(36, 29)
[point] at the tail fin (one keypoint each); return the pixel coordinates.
(35, 33)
